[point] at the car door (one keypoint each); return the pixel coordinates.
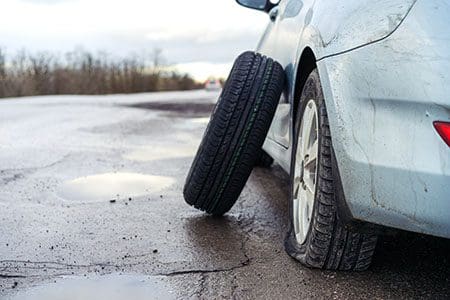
(280, 41)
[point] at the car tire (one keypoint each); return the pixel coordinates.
(234, 136)
(317, 237)
(264, 160)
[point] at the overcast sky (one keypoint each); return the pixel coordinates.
(200, 36)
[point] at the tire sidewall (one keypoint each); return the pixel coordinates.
(311, 91)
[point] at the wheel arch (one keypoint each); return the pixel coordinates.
(306, 64)
(308, 61)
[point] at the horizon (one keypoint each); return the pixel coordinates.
(193, 41)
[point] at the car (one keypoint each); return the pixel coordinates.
(212, 85)
(363, 123)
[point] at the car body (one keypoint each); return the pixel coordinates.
(385, 73)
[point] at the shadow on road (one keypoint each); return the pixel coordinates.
(218, 242)
(405, 265)
(423, 262)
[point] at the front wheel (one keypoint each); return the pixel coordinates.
(316, 237)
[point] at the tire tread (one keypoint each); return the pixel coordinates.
(236, 131)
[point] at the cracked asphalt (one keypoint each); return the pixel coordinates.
(91, 201)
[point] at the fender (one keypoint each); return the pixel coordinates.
(331, 27)
(345, 27)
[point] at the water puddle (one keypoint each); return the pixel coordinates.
(158, 153)
(111, 186)
(111, 287)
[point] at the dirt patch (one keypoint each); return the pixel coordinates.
(186, 110)
(9, 177)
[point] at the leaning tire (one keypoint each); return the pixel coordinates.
(233, 139)
(264, 160)
(317, 237)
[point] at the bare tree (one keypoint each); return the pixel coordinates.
(81, 72)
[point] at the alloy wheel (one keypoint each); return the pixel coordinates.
(305, 172)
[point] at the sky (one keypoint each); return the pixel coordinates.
(201, 37)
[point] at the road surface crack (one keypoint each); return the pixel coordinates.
(32, 169)
(206, 271)
(24, 268)
(11, 276)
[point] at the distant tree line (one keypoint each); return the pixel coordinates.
(81, 72)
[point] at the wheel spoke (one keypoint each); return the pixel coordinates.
(301, 215)
(309, 184)
(312, 152)
(307, 124)
(296, 186)
(305, 219)
(302, 194)
(298, 169)
(299, 155)
(295, 215)
(305, 200)
(310, 202)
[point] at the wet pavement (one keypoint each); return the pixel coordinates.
(92, 207)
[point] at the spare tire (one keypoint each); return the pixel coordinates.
(264, 160)
(234, 136)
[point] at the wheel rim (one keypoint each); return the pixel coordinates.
(305, 172)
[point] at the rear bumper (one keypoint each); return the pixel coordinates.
(382, 100)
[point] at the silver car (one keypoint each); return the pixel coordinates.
(363, 126)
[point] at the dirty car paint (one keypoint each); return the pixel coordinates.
(384, 68)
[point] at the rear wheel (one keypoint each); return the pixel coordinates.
(317, 238)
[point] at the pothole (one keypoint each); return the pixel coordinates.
(111, 186)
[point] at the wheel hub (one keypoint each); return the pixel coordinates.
(305, 175)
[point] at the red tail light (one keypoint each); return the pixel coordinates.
(443, 129)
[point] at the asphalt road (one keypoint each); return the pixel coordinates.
(91, 207)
